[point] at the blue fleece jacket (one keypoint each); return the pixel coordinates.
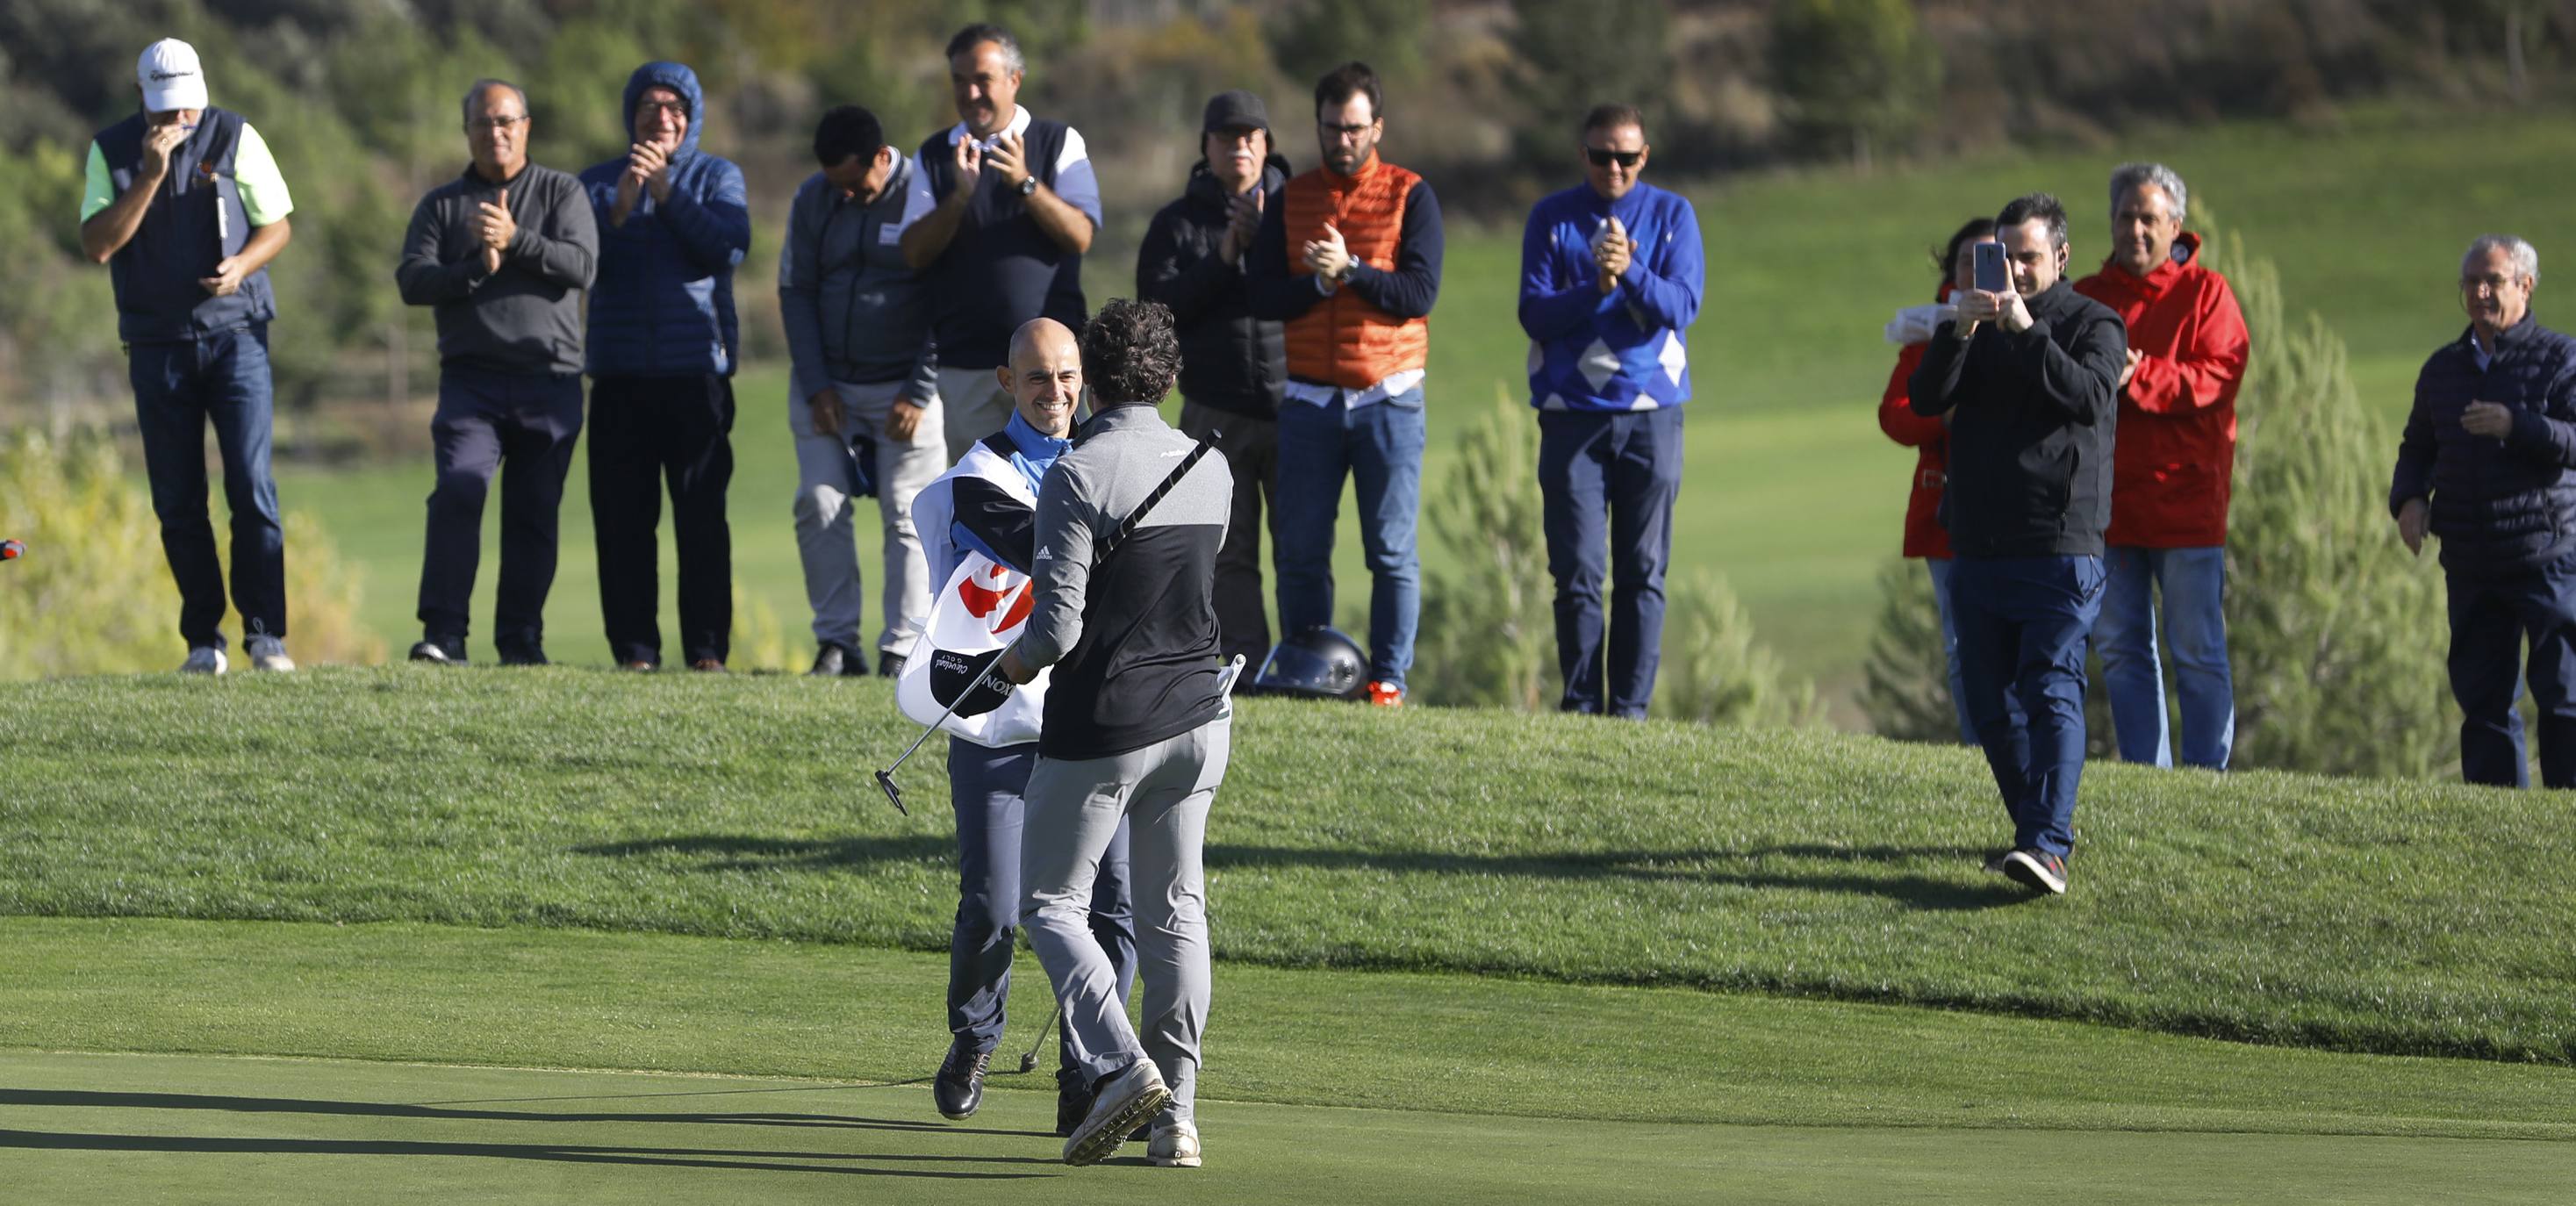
(1621, 350)
(663, 303)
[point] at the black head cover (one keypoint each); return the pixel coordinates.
(1319, 662)
(952, 672)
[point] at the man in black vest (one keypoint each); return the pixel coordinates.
(185, 206)
(1002, 206)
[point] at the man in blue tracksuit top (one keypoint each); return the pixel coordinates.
(673, 223)
(2488, 464)
(1610, 278)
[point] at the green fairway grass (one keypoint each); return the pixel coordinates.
(404, 992)
(124, 1129)
(2360, 915)
(1791, 492)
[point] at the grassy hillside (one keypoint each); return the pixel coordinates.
(1791, 492)
(2352, 915)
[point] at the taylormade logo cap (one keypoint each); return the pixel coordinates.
(170, 77)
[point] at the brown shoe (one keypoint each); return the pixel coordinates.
(709, 665)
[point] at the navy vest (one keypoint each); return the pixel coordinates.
(195, 220)
(1000, 270)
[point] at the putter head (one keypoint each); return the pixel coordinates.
(893, 795)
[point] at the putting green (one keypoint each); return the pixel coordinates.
(124, 1128)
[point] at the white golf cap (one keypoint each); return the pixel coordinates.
(170, 77)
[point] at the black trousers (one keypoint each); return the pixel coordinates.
(523, 429)
(646, 432)
(1250, 447)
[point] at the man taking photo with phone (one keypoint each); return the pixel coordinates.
(2030, 372)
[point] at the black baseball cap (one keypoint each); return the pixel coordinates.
(1236, 110)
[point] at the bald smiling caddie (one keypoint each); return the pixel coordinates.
(986, 505)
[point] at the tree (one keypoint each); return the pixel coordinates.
(1905, 684)
(2335, 636)
(1853, 72)
(1577, 55)
(1316, 36)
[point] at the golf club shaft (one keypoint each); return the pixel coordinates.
(989, 668)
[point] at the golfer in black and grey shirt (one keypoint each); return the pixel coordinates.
(1136, 726)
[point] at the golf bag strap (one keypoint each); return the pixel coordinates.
(1127, 526)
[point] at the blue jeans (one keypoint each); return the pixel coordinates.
(178, 389)
(521, 428)
(1939, 568)
(2022, 625)
(2192, 584)
(2491, 613)
(1379, 447)
(1619, 471)
(986, 788)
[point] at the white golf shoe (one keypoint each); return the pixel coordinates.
(1126, 1099)
(1174, 1145)
(268, 653)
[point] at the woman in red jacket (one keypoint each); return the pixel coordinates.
(1929, 437)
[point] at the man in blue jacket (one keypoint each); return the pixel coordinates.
(1610, 279)
(2488, 464)
(2030, 379)
(673, 223)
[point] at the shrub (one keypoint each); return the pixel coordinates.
(94, 594)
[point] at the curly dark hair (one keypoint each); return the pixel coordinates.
(1131, 353)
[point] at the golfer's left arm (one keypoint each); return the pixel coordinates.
(1062, 567)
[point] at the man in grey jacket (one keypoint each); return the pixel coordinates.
(859, 335)
(1136, 723)
(502, 254)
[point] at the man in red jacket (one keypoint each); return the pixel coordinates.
(2175, 450)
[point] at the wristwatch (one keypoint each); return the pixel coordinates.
(1028, 185)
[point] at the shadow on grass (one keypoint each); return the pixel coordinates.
(1854, 870)
(85, 1099)
(745, 1159)
(741, 852)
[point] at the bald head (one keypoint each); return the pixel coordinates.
(1045, 374)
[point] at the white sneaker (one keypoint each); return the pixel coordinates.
(268, 653)
(1174, 1145)
(1128, 1098)
(204, 659)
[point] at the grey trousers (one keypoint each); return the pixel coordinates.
(976, 406)
(1074, 807)
(826, 541)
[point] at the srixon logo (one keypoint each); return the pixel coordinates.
(998, 596)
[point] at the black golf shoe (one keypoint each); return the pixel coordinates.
(2037, 869)
(440, 651)
(832, 660)
(959, 1087)
(1072, 1105)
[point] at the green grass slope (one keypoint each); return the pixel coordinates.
(2362, 916)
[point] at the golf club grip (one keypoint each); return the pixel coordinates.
(1127, 527)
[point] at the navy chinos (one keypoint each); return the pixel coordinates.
(2023, 623)
(2492, 612)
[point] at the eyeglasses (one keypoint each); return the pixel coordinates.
(495, 124)
(1603, 158)
(1352, 131)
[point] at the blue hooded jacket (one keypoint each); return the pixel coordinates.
(662, 305)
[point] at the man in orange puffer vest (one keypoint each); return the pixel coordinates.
(2171, 466)
(1349, 259)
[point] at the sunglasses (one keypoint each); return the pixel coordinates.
(1602, 158)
